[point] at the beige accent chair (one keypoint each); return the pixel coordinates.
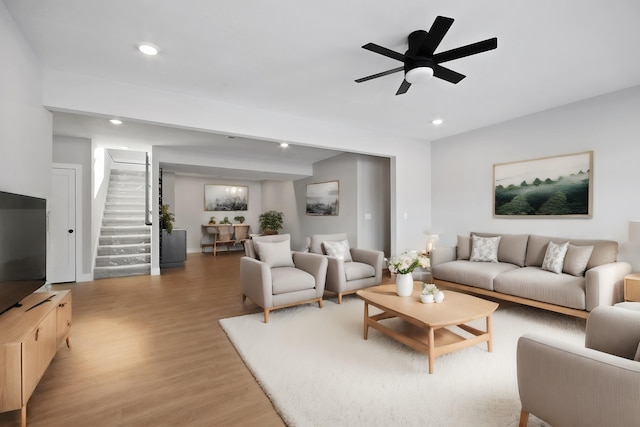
(598, 385)
(273, 277)
(357, 269)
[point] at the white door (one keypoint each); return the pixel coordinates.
(61, 262)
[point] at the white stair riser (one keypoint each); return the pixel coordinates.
(142, 248)
(133, 259)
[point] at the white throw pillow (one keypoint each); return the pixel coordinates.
(554, 257)
(275, 254)
(339, 249)
(484, 249)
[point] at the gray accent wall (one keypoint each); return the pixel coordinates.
(364, 189)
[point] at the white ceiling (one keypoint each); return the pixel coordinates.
(300, 58)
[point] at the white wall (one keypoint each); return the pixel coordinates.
(462, 180)
(410, 213)
(25, 126)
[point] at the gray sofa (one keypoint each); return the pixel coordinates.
(518, 275)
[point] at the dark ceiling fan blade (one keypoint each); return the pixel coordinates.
(404, 87)
(446, 74)
(382, 74)
(470, 49)
(437, 32)
(384, 51)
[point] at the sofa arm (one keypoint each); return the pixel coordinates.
(314, 264)
(604, 284)
(567, 385)
(371, 257)
(255, 280)
(442, 254)
(614, 330)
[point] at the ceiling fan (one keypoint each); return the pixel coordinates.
(421, 61)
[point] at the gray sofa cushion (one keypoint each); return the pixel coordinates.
(290, 279)
(512, 249)
(478, 274)
(540, 285)
(464, 247)
(358, 270)
(604, 251)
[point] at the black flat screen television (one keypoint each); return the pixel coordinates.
(23, 247)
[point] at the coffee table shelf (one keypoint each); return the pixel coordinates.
(425, 326)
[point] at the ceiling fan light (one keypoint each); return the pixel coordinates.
(148, 49)
(418, 74)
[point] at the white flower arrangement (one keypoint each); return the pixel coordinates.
(407, 262)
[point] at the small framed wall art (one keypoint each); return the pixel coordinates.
(323, 198)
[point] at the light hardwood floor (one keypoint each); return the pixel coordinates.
(149, 351)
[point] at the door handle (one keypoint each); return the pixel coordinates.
(70, 231)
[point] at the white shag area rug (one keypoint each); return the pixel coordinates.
(318, 370)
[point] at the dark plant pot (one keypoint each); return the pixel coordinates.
(269, 232)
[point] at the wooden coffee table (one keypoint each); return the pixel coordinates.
(425, 325)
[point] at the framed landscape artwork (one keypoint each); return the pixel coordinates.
(225, 198)
(323, 198)
(554, 187)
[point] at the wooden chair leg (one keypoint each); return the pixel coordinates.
(524, 418)
(339, 298)
(320, 302)
(266, 315)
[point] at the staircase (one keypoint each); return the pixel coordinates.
(124, 247)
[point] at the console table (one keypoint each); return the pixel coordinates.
(238, 236)
(31, 335)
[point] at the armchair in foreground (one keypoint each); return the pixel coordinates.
(349, 269)
(273, 277)
(595, 385)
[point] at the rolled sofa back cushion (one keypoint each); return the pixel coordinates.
(604, 251)
(512, 248)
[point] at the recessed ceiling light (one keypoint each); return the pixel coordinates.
(115, 121)
(148, 49)
(436, 122)
(123, 147)
(284, 145)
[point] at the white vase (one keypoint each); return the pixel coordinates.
(404, 284)
(439, 296)
(426, 298)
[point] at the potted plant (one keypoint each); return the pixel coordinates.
(225, 220)
(212, 220)
(166, 219)
(239, 218)
(431, 293)
(271, 221)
